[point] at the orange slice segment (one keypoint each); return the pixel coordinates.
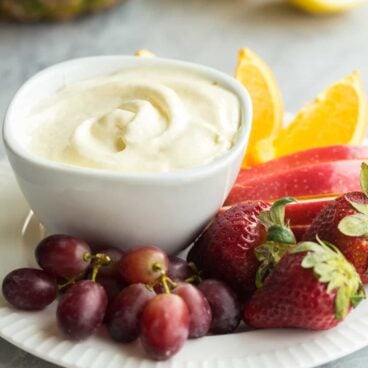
(261, 84)
(337, 116)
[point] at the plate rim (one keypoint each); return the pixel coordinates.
(355, 338)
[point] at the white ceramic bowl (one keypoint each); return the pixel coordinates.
(121, 209)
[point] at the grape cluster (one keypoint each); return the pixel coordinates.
(138, 294)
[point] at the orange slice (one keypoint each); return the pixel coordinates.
(260, 82)
(337, 116)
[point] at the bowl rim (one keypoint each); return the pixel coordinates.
(14, 147)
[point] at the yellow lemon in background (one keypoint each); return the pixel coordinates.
(144, 53)
(326, 6)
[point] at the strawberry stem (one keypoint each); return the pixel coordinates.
(268, 254)
(279, 238)
(274, 222)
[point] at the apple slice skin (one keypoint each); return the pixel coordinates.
(304, 158)
(299, 231)
(304, 212)
(317, 180)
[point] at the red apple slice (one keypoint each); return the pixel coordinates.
(303, 158)
(317, 180)
(299, 231)
(304, 212)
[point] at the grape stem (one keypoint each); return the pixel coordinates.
(67, 283)
(87, 257)
(196, 278)
(98, 260)
(164, 280)
(156, 267)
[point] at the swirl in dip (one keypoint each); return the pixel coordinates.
(143, 119)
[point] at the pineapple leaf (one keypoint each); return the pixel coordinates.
(34, 6)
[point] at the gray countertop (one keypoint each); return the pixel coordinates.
(306, 53)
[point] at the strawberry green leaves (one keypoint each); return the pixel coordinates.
(357, 224)
(276, 215)
(364, 178)
(330, 267)
(279, 239)
(360, 207)
(281, 234)
(274, 221)
(268, 254)
(354, 225)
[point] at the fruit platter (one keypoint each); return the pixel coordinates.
(275, 278)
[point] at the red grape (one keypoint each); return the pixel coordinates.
(225, 306)
(81, 309)
(164, 326)
(111, 270)
(111, 285)
(63, 255)
(143, 265)
(199, 309)
(29, 289)
(179, 269)
(123, 314)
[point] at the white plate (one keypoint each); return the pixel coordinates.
(37, 333)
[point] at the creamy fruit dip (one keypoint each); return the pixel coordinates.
(143, 119)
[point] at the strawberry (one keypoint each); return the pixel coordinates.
(344, 222)
(226, 249)
(313, 286)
